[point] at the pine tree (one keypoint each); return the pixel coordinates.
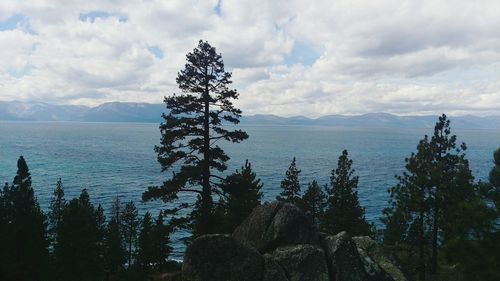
(430, 196)
(145, 245)
(76, 249)
(161, 241)
(343, 211)
(190, 133)
(495, 171)
(25, 243)
(242, 193)
(115, 254)
(313, 201)
(290, 185)
(57, 203)
(129, 226)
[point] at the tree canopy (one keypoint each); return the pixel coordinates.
(190, 134)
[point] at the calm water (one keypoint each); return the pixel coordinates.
(112, 159)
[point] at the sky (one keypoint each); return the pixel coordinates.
(288, 57)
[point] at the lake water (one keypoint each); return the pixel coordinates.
(111, 159)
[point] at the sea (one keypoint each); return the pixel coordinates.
(118, 159)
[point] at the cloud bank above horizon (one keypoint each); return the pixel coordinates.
(287, 57)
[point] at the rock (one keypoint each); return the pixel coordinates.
(343, 258)
(276, 224)
(372, 269)
(302, 262)
(272, 270)
(383, 259)
(219, 257)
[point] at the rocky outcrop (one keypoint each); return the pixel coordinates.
(219, 257)
(379, 256)
(276, 224)
(302, 262)
(278, 242)
(343, 258)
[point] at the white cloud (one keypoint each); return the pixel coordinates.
(404, 57)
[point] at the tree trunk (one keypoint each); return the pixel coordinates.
(206, 196)
(421, 258)
(434, 240)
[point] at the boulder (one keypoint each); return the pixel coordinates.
(372, 269)
(343, 258)
(219, 257)
(274, 225)
(302, 262)
(381, 257)
(272, 270)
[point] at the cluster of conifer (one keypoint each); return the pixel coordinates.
(73, 241)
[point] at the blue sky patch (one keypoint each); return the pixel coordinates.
(217, 8)
(156, 51)
(18, 73)
(302, 53)
(14, 21)
(93, 15)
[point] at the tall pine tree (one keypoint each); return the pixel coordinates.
(430, 196)
(25, 241)
(190, 133)
(290, 185)
(115, 254)
(129, 226)
(57, 203)
(343, 211)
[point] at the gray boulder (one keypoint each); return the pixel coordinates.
(343, 258)
(221, 258)
(381, 257)
(274, 225)
(302, 262)
(272, 270)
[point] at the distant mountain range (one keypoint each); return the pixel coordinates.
(150, 113)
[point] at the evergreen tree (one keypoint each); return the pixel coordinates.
(161, 241)
(145, 245)
(24, 237)
(242, 193)
(342, 210)
(57, 203)
(495, 171)
(115, 253)
(430, 196)
(290, 185)
(190, 132)
(129, 226)
(76, 251)
(116, 209)
(313, 201)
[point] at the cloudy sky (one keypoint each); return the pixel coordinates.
(287, 57)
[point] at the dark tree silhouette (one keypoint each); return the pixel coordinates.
(242, 193)
(57, 204)
(190, 133)
(495, 171)
(115, 254)
(161, 241)
(129, 227)
(24, 238)
(290, 185)
(313, 201)
(342, 210)
(76, 249)
(145, 243)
